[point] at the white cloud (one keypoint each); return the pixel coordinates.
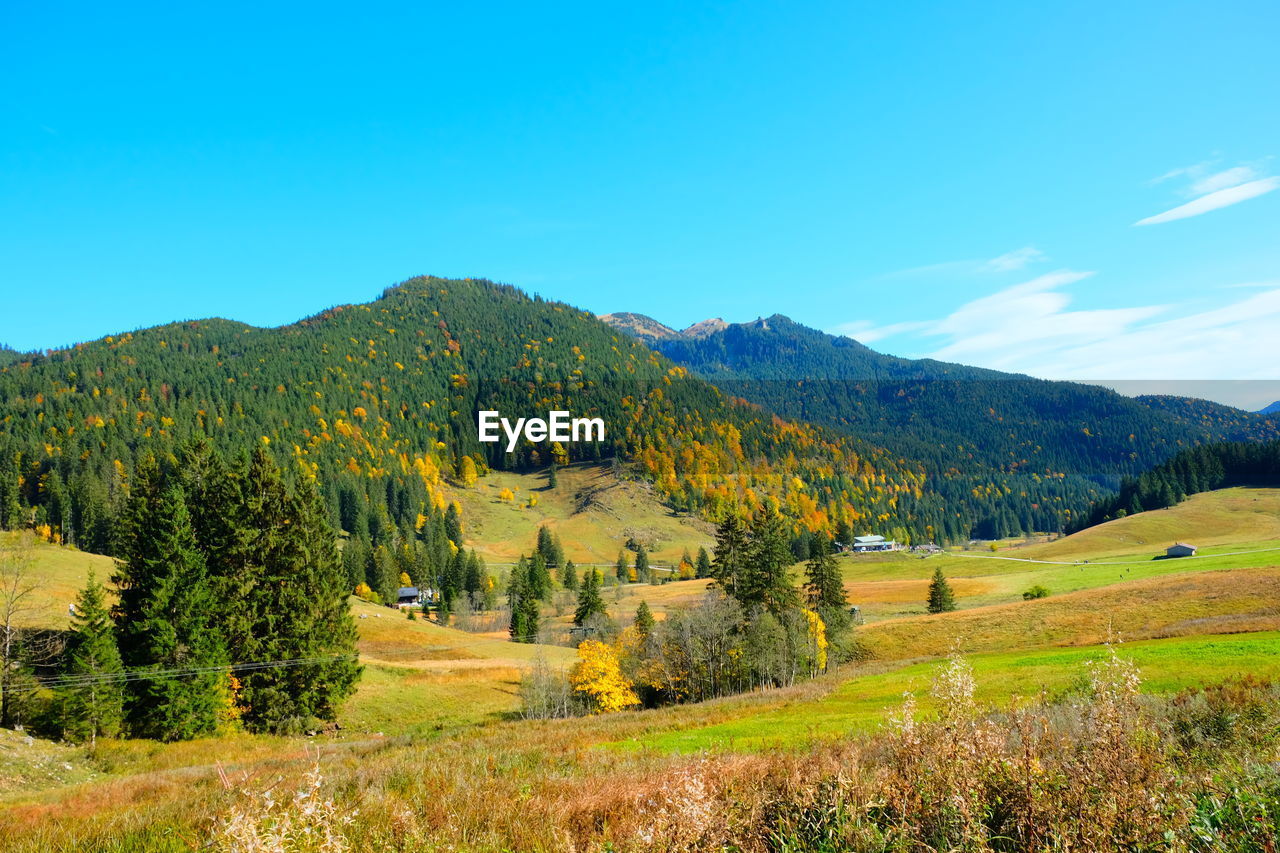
(1210, 188)
(1214, 201)
(1015, 260)
(1224, 179)
(1008, 262)
(864, 331)
(1032, 328)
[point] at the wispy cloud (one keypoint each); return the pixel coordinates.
(1033, 328)
(1015, 260)
(1008, 262)
(867, 332)
(1212, 190)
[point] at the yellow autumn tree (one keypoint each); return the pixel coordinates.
(506, 495)
(467, 472)
(599, 678)
(405, 580)
(818, 643)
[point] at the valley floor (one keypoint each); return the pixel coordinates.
(431, 736)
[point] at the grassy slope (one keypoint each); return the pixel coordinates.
(592, 511)
(1121, 551)
(1136, 598)
(59, 574)
(861, 703)
(420, 676)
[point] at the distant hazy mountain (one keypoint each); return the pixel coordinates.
(1274, 408)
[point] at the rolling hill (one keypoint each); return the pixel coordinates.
(378, 402)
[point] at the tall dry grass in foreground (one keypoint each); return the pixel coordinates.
(1102, 768)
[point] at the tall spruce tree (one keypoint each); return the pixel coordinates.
(767, 582)
(297, 609)
(93, 704)
(589, 601)
(327, 629)
(644, 620)
(941, 599)
(166, 618)
(824, 588)
(525, 611)
(731, 553)
(621, 569)
(643, 569)
(539, 582)
(702, 564)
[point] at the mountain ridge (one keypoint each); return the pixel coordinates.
(1041, 443)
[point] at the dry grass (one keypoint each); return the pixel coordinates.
(60, 574)
(1196, 603)
(1107, 769)
(592, 511)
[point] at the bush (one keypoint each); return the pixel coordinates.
(1035, 592)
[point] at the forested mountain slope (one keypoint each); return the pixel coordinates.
(1013, 452)
(378, 401)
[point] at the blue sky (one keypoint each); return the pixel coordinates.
(1079, 192)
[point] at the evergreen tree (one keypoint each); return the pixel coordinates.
(569, 577)
(325, 627)
(644, 620)
(642, 564)
(94, 704)
(549, 547)
(702, 565)
(165, 619)
(552, 480)
(516, 581)
(355, 557)
(731, 554)
(823, 585)
(621, 570)
(474, 582)
(941, 599)
(539, 576)
(767, 582)
(384, 577)
(453, 524)
(589, 601)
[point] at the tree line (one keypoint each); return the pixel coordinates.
(230, 609)
(1197, 469)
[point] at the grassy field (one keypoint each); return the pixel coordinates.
(422, 677)
(860, 703)
(59, 574)
(593, 512)
(1184, 622)
(1125, 550)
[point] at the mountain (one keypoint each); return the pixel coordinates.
(705, 328)
(1016, 452)
(639, 326)
(378, 403)
(1273, 409)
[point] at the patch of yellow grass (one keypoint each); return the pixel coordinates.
(592, 511)
(59, 573)
(1230, 601)
(1210, 518)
